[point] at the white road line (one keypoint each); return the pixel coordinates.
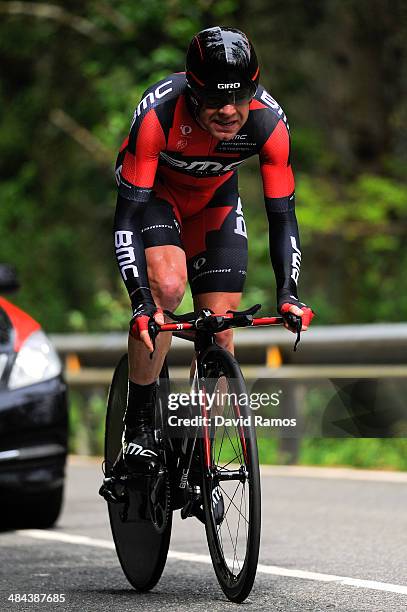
(295, 471)
(194, 558)
(333, 473)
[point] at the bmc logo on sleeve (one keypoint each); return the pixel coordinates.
(272, 103)
(125, 253)
(295, 260)
(151, 98)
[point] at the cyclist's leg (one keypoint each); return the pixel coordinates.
(166, 267)
(167, 275)
(216, 247)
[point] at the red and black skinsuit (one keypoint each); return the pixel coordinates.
(178, 186)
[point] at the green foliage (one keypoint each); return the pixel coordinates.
(87, 423)
(67, 98)
(375, 453)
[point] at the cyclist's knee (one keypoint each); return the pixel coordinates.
(168, 290)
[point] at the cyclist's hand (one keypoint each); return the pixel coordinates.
(142, 315)
(299, 309)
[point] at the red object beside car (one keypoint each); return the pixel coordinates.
(33, 418)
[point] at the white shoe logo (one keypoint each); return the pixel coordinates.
(136, 449)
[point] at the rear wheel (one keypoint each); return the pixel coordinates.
(141, 545)
(231, 482)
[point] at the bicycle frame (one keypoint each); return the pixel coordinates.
(202, 330)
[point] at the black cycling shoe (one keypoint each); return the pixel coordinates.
(140, 452)
(218, 505)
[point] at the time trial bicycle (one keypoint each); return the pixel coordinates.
(208, 467)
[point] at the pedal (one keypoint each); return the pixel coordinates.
(109, 492)
(193, 508)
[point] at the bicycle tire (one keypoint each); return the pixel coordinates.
(141, 550)
(235, 586)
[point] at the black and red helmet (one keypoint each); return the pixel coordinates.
(221, 67)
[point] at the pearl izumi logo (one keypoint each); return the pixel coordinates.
(228, 85)
(199, 263)
(186, 132)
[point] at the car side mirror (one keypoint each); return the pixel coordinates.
(8, 279)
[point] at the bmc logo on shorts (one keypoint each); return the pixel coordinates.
(228, 85)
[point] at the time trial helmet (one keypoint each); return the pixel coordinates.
(221, 68)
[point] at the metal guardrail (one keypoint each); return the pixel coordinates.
(95, 377)
(350, 352)
(384, 343)
(394, 334)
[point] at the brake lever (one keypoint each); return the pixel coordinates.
(298, 329)
(295, 323)
(153, 330)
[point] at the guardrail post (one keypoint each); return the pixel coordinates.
(291, 407)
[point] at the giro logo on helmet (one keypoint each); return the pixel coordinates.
(228, 85)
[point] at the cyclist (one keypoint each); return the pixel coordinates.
(179, 214)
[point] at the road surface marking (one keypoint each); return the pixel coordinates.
(333, 473)
(296, 471)
(195, 558)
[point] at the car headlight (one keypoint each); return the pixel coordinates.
(35, 362)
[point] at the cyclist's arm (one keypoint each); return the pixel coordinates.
(278, 185)
(139, 160)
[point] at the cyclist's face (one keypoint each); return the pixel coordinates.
(224, 122)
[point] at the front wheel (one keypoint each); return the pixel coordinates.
(141, 539)
(231, 481)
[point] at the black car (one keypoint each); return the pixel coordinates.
(33, 419)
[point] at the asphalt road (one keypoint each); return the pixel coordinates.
(330, 541)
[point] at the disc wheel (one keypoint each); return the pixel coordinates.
(141, 547)
(231, 480)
